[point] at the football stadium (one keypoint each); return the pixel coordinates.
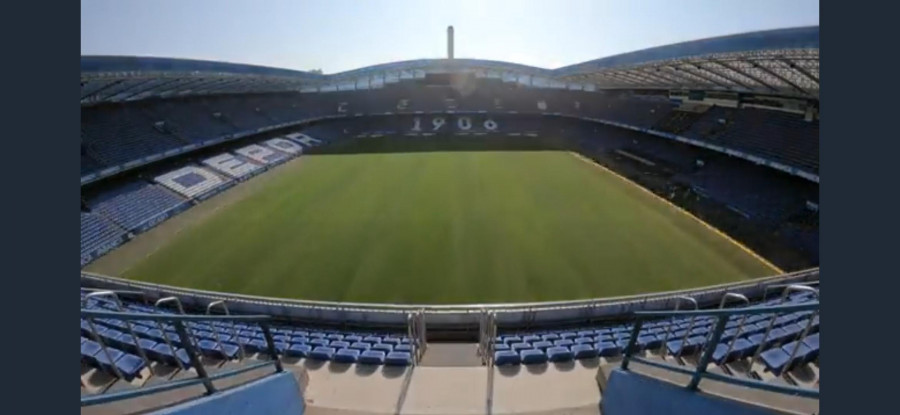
(449, 236)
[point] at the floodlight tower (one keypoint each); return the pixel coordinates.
(449, 42)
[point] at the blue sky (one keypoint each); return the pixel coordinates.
(338, 35)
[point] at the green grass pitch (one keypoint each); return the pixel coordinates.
(447, 227)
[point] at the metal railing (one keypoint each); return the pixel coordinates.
(181, 328)
(450, 315)
(722, 316)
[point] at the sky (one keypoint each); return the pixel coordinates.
(339, 35)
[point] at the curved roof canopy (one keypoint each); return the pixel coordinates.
(775, 62)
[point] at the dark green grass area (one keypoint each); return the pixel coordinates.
(447, 227)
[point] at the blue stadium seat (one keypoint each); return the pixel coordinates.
(298, 350)
(398, 359)
(352, 338)
(499, 347)
(339, 344)
(607, 349)
(550, 337)
(404, 348)
(506, 357)
(372, 357)
(510, 340)
(584, 351)
(530, 338)
(390, 340)
(585, 340)
(319, 341)
(559, 354)
(346, 355)
(563, 342)
(542, 345)
(372, 339)
(516, 347)
(360, 345)
(322, 353)
(163, 353)
(384, 347)
(532, 356)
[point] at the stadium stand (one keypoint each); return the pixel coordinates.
(771, 134)
(193, 119)
(98, 235)
(192, 182)
(754, 191)
(122, 134)
(766, 336)
(263, 155)
(133, 205)
(163, 346)
(285, 146)
(234, 166)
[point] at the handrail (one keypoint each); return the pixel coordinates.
(203, 377)
(746, 301)
(234, 331)
(474, 308)
(100, 341)
(722, 316)
(678, 301)
(787, 291)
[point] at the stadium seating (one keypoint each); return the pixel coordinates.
(774, 135)
(191, 181)
(132, 205)
(224, 341)
(756, 191)
(235, 166)
(98, 234)
(115, 136)
(680, 337)
(261, 154)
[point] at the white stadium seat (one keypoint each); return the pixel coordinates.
(304, 140)
(232, 166)
(191, 181)
(261, 154)
(286, 146)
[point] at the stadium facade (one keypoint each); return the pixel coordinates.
(160, 136)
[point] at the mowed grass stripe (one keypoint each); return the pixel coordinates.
(447, 227)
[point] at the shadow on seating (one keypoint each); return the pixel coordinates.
(536, 368)
(366, 370)
(591, 363)
(566, 366)
(393, 372)
(336, 367)
(509, 370)
(312, 364)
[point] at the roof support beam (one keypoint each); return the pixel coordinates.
(181, 83)
(782, 79)
(644, 78)
(689, 68)
(137, 86)
(662, 75)
(169, 82)
(679, 75)
(101, 89)
(801, 70)
(747, 74)
(730, 78)
(617, 79)
(632, 77)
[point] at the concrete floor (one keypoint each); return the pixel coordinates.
(536, 389)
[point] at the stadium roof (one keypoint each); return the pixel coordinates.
(781, 62)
